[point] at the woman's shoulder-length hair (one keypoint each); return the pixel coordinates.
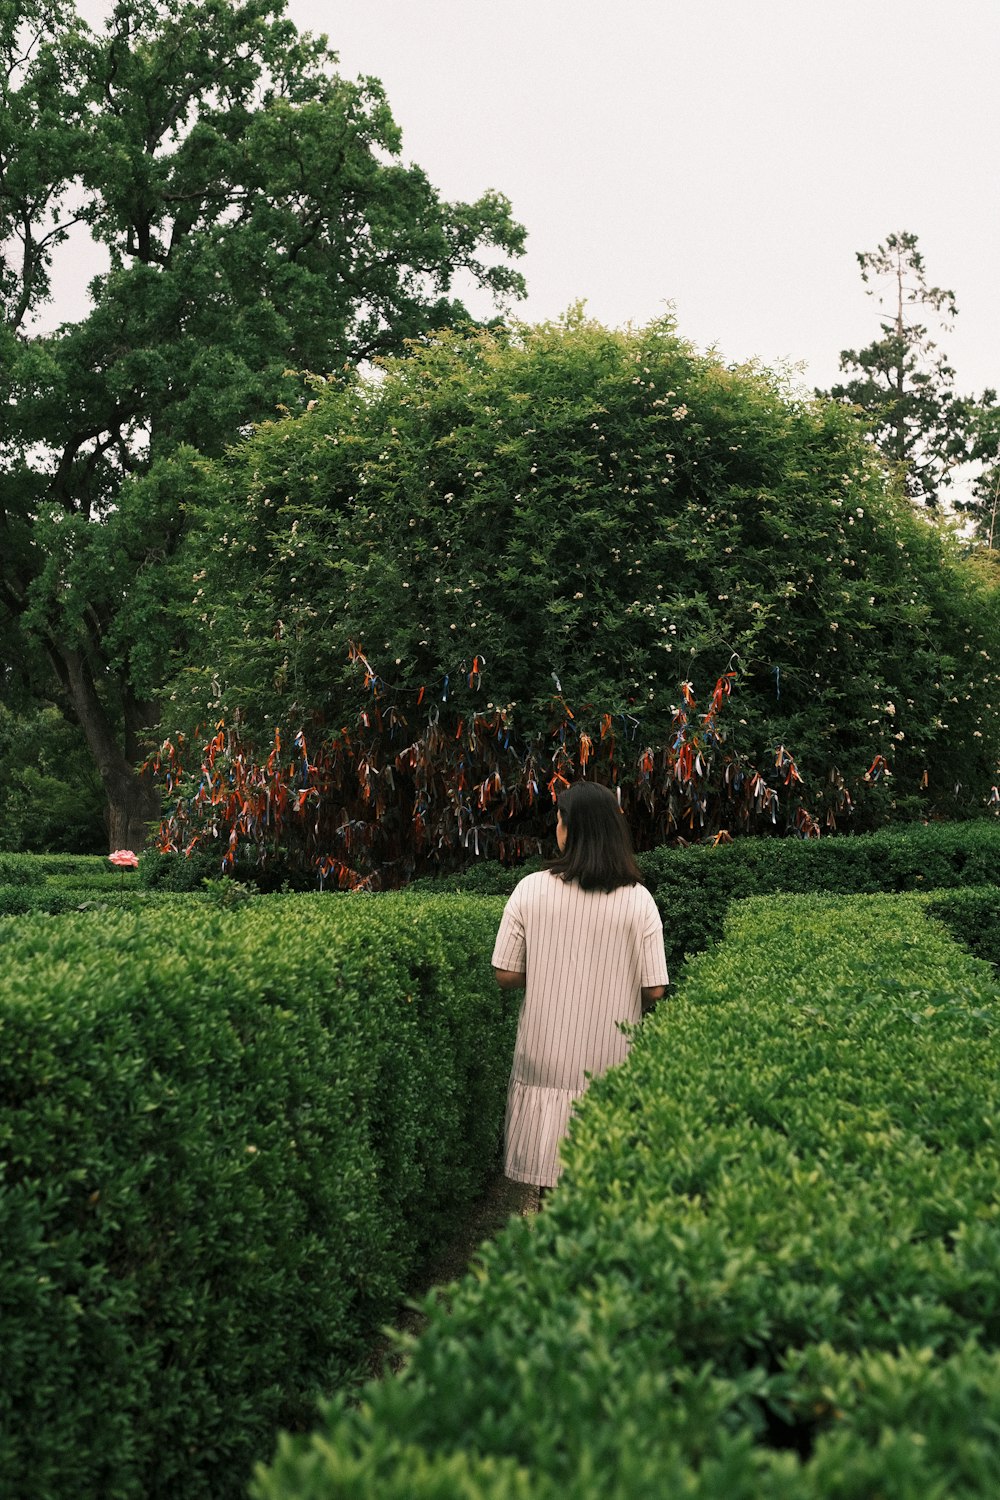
(598, 855)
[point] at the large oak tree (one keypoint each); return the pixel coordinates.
(256, 218)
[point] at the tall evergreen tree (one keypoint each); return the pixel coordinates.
(902, 380)
(983, 507)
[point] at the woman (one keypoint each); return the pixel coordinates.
(585, 940)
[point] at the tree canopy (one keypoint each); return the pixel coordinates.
(984, 505)
(256, 218)
(568, 518)
(903, 382)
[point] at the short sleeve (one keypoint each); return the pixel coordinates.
(510, 949)
(654, 958)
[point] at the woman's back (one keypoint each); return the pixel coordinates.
(585, 954)
(585, 939)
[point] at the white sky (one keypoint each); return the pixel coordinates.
(726, 156)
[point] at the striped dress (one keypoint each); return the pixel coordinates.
(586, 956)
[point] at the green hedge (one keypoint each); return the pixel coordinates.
(174, 872)
(75, 866)
(227, 1139)
(772, 1266)
(56, 883)
(71, 893)
(973, 916)
(20, 869)
(18, 900)
(903, 1426)
(99, 881)
(693, 887)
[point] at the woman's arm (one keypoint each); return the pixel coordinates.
(650, 994)
(509, 979)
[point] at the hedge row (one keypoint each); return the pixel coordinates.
(693, 887)
(973, 916)
(57, 894)
(227, 1139)
(104, 887)
(20, 869)
(75, 866)
(772, 1267)
(55, 883)
(19, 900)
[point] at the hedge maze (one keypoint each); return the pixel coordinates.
(772, 1265)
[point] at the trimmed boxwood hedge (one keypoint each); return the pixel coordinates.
(20, 869)
(226, 1141)
(19, 900)
(973, 916)
(59, 894)
(56, 883)
(693, 887)
(772, 1266)
(70, 866)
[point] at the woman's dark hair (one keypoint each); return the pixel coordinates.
(598, 853)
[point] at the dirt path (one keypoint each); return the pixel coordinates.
(488, 1217)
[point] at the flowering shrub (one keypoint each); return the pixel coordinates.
(512, 521)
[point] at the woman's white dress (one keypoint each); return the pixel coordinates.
(586, 956)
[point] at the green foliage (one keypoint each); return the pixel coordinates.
(228, 893)
(527, 519)
(902, 383)
(50, 797)
(770, 1267)
(984, 504)
(973, 916)
(200, 870)
(19, 900)
(694, 887)
(162, 872)
(85, 868)
(55, 883)
(227, 1138)
(20, 870)
(257, 219)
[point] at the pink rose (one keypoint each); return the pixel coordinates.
(124, 859)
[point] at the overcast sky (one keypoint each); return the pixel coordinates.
(727, 156)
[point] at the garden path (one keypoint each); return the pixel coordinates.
(486, 1219)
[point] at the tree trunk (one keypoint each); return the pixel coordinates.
(133, 802)
(133, 805)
